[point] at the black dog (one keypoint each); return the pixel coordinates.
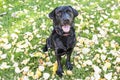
(62, 39)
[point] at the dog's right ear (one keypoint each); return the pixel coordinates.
(52, 14)
(75, 12)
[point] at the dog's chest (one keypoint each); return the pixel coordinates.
(68, 42)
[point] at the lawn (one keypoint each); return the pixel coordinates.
(25, 25)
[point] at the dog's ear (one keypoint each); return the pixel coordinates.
(75, 12)
(52, 14)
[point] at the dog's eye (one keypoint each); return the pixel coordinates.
(68, 11)
(59, 12)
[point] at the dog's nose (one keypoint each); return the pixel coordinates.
(66, 20)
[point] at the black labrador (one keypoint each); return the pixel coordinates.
(62, 39)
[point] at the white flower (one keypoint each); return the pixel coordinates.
(25, 61)
(113, 7)
(10, 9)
(28, 35)
(106, 66)
(26, 69)
(30, 73)
(43, 26)
(104, 49)
(1, 52)
(88, 62)
(92, 16)
(7, 46)
(104, 16)
(114, 53)
(36, 54)
(108, 76)
(92, 78)
(96, 69)
(4, 6)
(35, 8)
(25, 11)
(17, 31)
(4, 40)
(86, 31)
(102, 32)
(114, 78)
(25, 78)
(100, 20)
(3, 56)
(35, 31)
(14, 36)
(87, 78)
(15, 64)
(73, 1)
(4, 66)
(96, 76)
(113, 43)
(92, 26)
(85, 50)
(49, 64)
(5, 35)
(14, 42)
(118, 69)
(46, 76)
(103, 57)
(116, 21)
(14, 15)
(41, 68)
(19, 50)
(99, 8)
(31, 20)
(117, 60)
(1, 26)
(78, 66)
(23, 44)
(17, 70)
(95, 39)
(107, 24)
(38, 35)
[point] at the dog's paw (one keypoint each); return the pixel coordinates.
(59, 72)
(69, 66)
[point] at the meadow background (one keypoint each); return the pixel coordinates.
(25, 25)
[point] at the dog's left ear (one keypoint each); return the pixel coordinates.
(52, 14)
(75, 12)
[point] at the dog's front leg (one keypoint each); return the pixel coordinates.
(68, 63)
(60, 69)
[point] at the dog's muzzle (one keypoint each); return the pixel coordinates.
(66, 28)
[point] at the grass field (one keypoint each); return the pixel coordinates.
(25, 25)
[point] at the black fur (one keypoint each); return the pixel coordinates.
(60, 41)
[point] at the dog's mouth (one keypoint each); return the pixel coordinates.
(66, 28)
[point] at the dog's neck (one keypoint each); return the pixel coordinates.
(64, 34)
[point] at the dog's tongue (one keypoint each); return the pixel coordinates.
(66, 28)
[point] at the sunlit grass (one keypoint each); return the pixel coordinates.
(24, 27)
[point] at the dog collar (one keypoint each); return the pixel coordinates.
(64, 34)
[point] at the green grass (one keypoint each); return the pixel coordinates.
(21, 17)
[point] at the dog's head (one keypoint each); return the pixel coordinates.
(63, 17)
